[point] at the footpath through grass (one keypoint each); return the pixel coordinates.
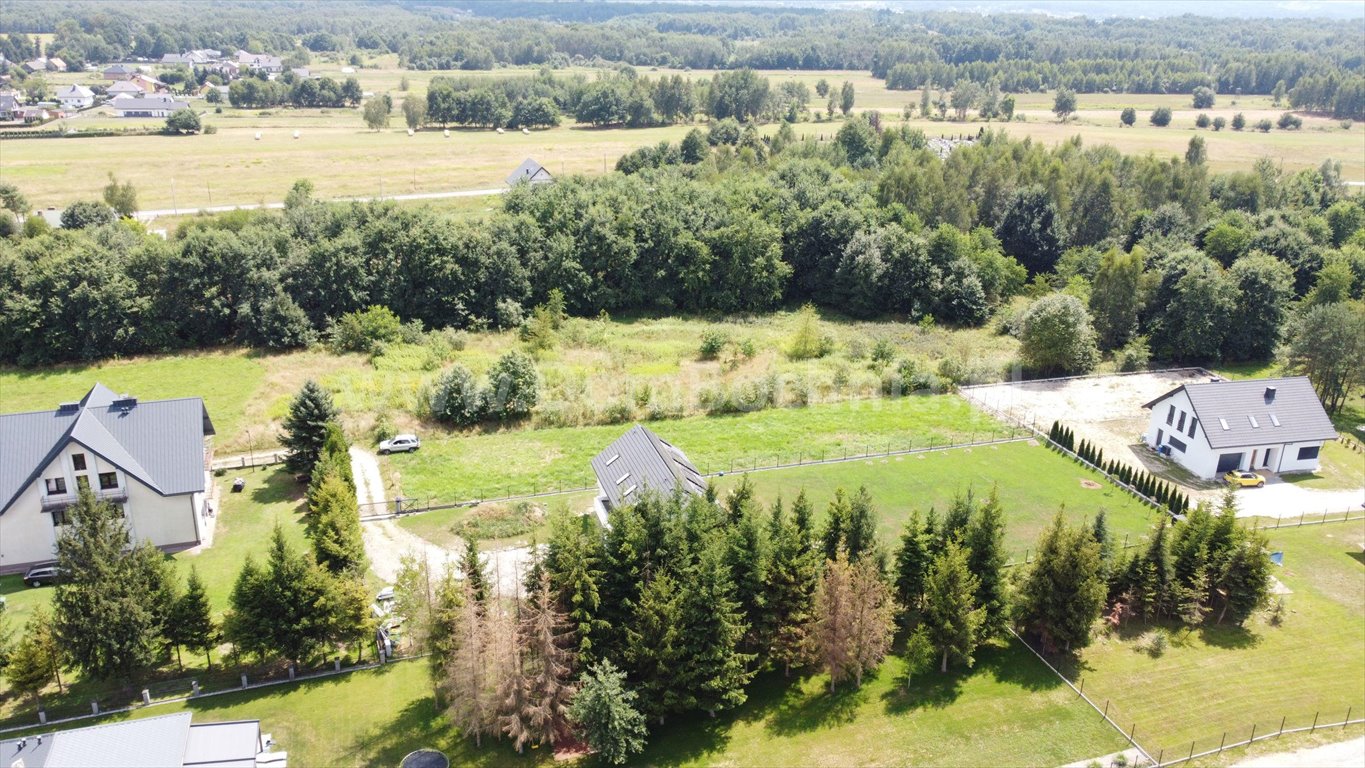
(489, 465)
(1226, 678)
(1033, 481)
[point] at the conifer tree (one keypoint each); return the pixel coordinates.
(192, 625)
(605, 714)
(803, 519)
(574, 559)
(471, 677)
(958, 517)
(860, 534)
(441, 633)
(653, 646)
(951, 617)
(32, 666)
(713, 670)
(305, 427)
(288, 608)
(1064, 591)
(472, 566)
(912, 565)
(747, 558)
(1100, 533)
(791, 582)
(334, 526)
(334, 457)
(836, 525)
(984, 541)
(547, 663)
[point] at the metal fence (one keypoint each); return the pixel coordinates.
(249, 460)
(717, 468)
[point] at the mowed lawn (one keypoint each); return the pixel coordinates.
(1033, 482)
(1227, 679)
(1007, 710)
(472, 466)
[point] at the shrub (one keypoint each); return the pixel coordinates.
(712, 342)
(1202, 121)
(366, 330)
(1134, 356)
(1219, 123)
(209, 130)
(1264, 125)
(810, 341)
(513, 387)
(856, 348)
(1057, 337)
(617, 412)
(498, 521)
(455, 399)
(383, 428)
(1161, 117)
(1154, 643)
(883, 351)
(1289, 122)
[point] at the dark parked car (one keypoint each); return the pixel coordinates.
(46, 573)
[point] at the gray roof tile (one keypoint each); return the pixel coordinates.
(640, 460)
(1291, 400)
(160, 442)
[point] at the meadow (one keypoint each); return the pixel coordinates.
(344, 158)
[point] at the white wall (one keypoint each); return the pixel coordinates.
(26, 532)
(1291, 462)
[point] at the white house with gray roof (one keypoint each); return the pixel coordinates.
(165, 741)
(149, 457)
(641, 462)
(1268, 425)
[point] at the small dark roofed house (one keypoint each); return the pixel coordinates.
(530, 172)
(166, 741)
(641, 461)
(1267, 425)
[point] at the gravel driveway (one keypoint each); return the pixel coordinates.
(1344, 754)
(386, 542)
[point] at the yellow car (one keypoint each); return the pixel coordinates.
(1244, 479)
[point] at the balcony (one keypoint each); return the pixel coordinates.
(64, 500)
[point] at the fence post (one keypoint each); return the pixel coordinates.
(1282, 718)
(94, 707)
(292, 671)
(336, 663)
(1106, 710)
(42, 717)
(146, 697)
(1082, 690)
(194, 687)
(1347, 721)
(1222, 742)
(1132, 731)
(1315, 722)
(1252, 740)
(1191, 757)
(1159, 755)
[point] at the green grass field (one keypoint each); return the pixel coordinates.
(1033, 483)
(1007, 710)
(519, 461)
(343, 158)
(1227, 679)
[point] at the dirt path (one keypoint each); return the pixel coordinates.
(386, 542)
(1344, 754)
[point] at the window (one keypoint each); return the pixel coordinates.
(614, 457)
(1224, 424)
(1170, 415)
(1193, 423)
(1181, 426)
(1308, 452)
(1176, 444)
(83, 482)
(1254, 423)
(78, 462)
(59, 517)
(56, 486)
(108, 481)
(1274, 419)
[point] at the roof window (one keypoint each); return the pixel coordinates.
(622, 478)
(1224, 424)
(1254, 423)
(1274, 419)
(614, 457)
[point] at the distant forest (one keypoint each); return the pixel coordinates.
(1323, 61)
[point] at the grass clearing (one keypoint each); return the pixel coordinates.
(1226, 679)
(495, 464)
(1033, 481)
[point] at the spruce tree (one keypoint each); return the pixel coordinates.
(289, 608)
(334, 457)
(792, 576)
(546, 667)
(1064, 591)
(113, 602)
(472, 567)
(32, 666)
(606, 716)
(574, 559)
(985, 544)
(951, 617)
(912, 564)
(747, 558)
(860, 534)
(803, 519)
(469, 684)
(1100, 533)
(714, 671)
(443, 625)
(836, 524)
(334, 527)
(958, 517)
(653, 647)
(192, 625)
(305, 427)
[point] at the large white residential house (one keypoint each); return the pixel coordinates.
(75, 97)
(151, 458)
(146, 106)
(1271, 425)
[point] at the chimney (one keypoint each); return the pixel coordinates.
(1270, 394)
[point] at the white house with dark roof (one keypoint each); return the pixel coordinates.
(530, 172)
(151, 458)
(166, 741)
(1271, 425)
(641, 462)
(146, 106)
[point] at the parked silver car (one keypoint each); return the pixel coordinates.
(399, 444)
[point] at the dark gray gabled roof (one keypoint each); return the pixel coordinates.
(640, 460)
(531, 172)
(159, 442)
(169, 741)
(1257, 411)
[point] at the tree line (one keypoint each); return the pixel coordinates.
(874, 223)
